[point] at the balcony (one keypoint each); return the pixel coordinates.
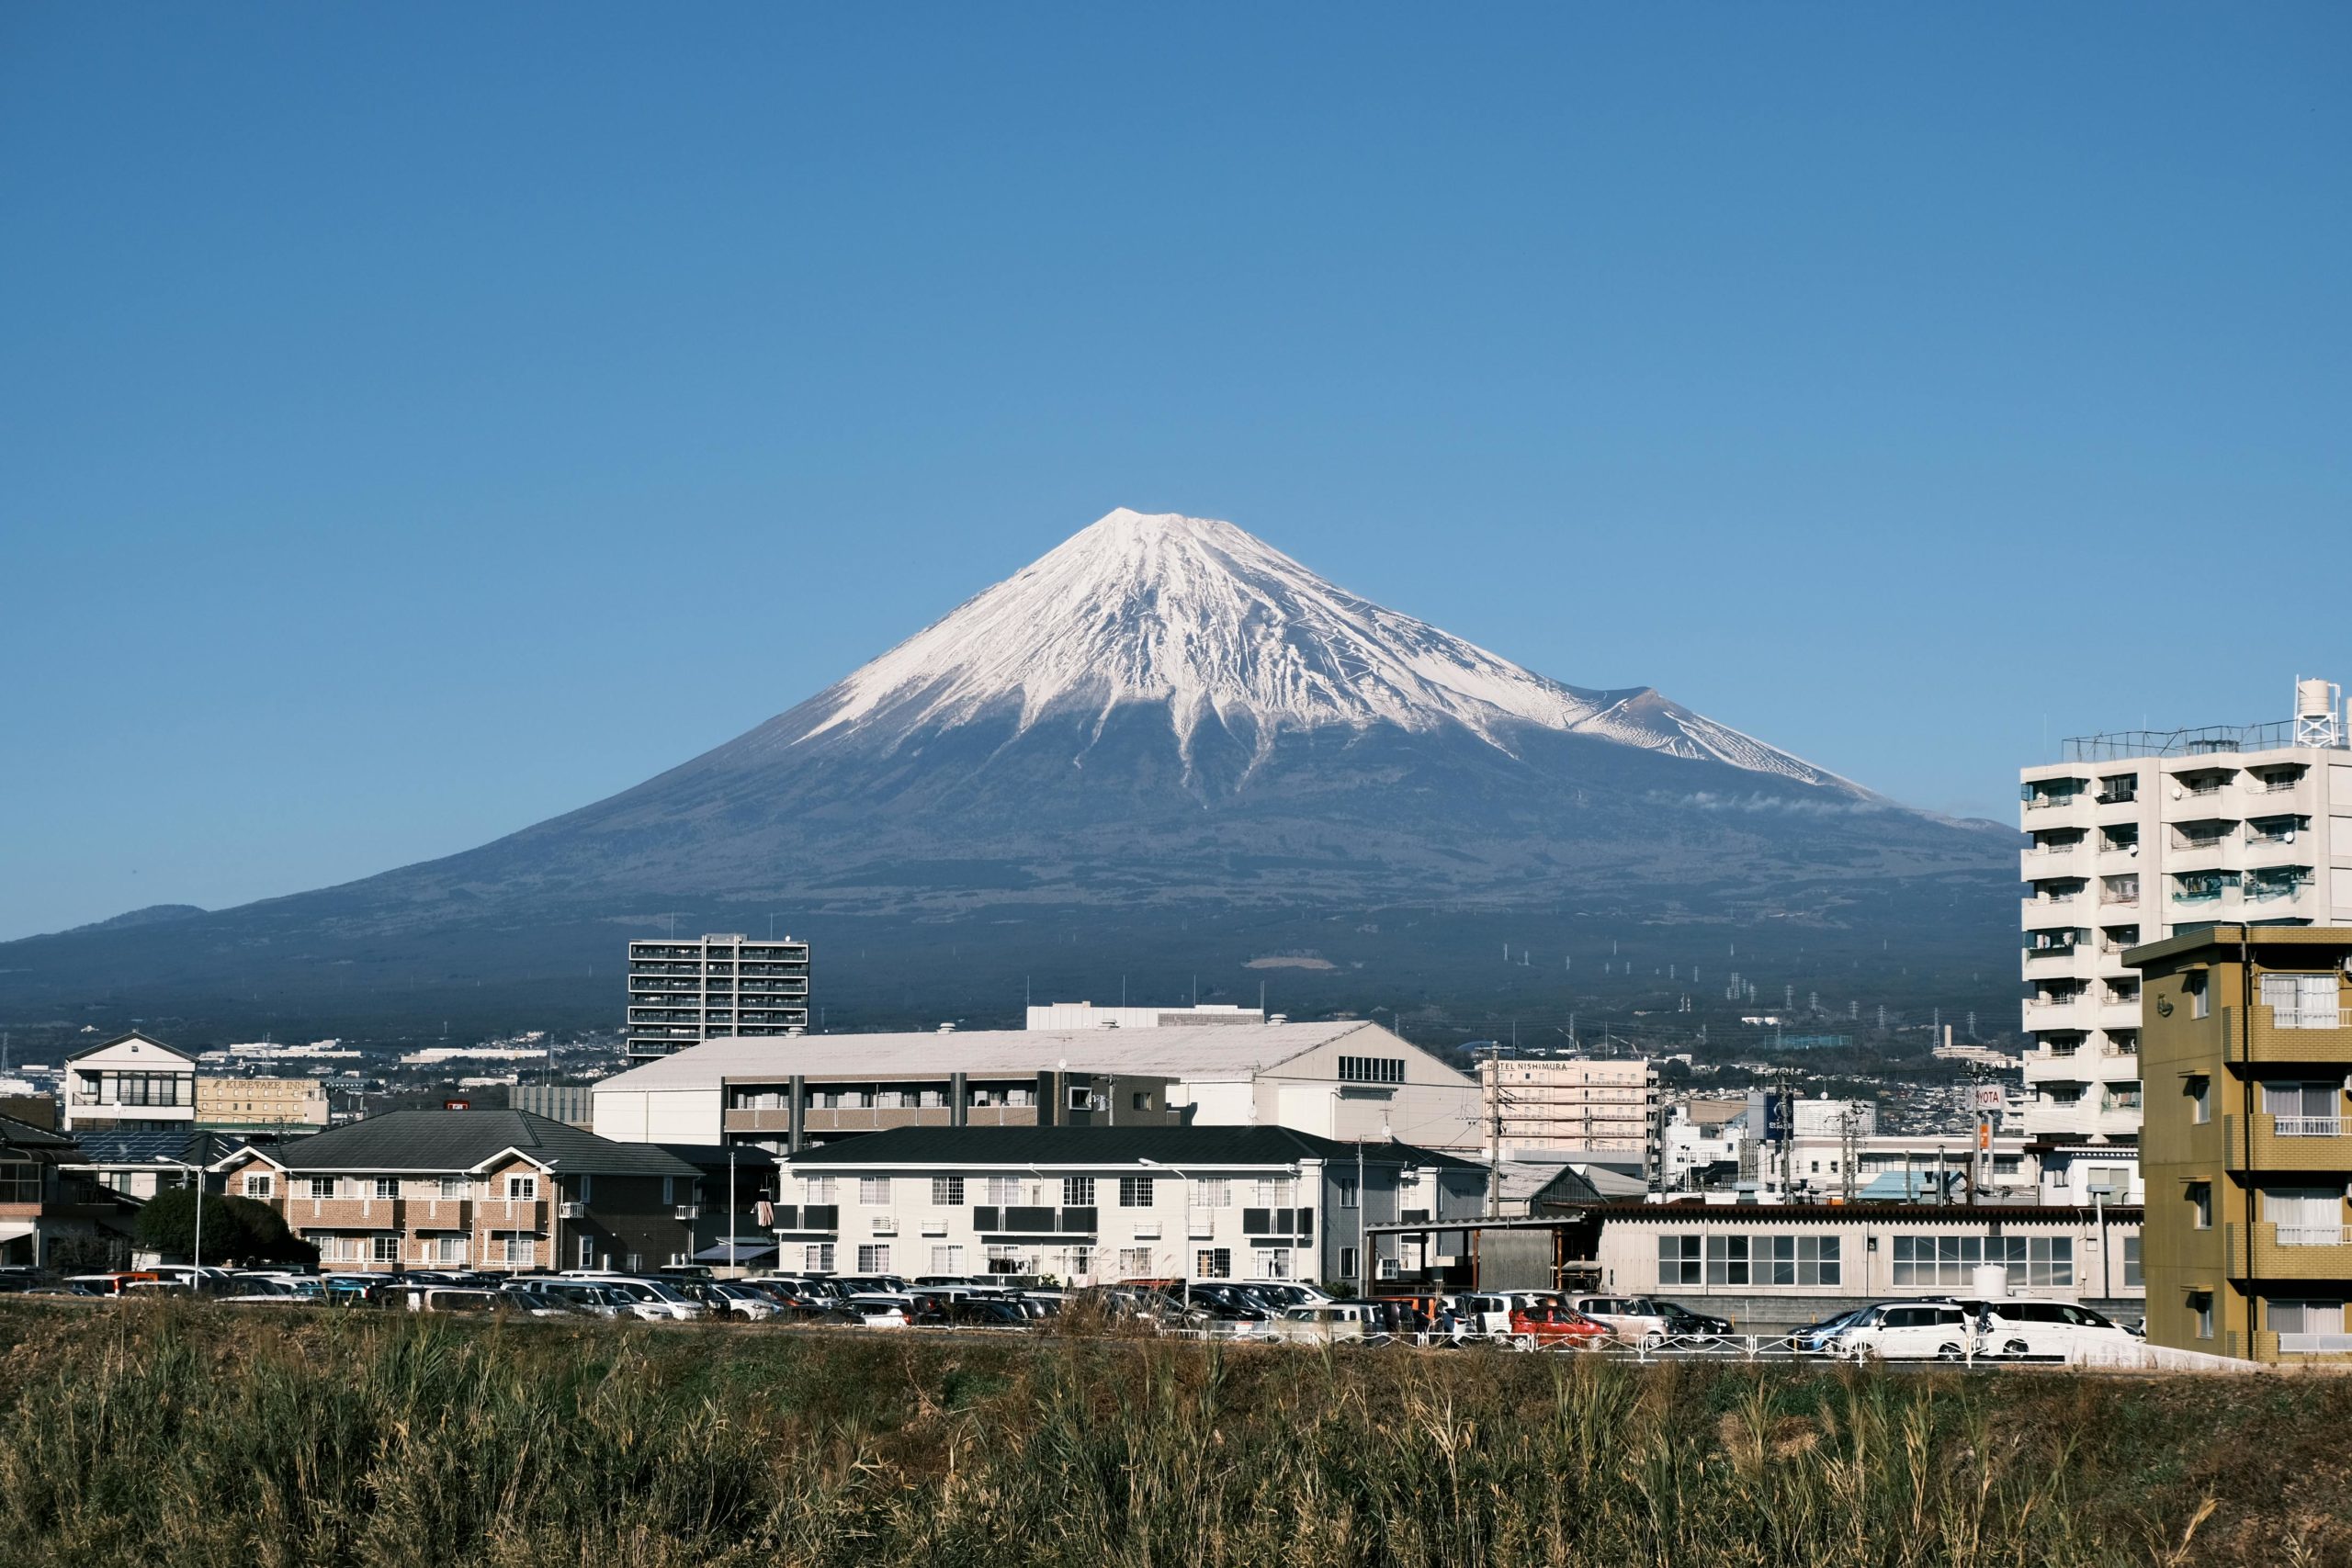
(2297, 1348)
(2319, 1252)
(2307, 1035)
(2290, 1144)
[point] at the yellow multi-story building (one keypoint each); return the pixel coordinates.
(259, 1104)
(2246, 1149)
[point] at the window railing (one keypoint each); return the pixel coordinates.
(2313, 1234)
(2309, 1126)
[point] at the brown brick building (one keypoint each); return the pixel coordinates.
(493, 1190)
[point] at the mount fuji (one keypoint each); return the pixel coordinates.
(1163, 733)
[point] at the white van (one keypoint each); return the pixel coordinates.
(2050, 1331)
(1908, 1331)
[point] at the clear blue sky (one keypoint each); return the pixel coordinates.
(419, 421)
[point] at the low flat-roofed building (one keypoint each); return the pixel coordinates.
(1347, 1080)
(231, 1104)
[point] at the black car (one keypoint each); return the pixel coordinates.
(1682, 1320)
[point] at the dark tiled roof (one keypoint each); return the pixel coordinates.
(460, 1140)
(19, 1135)
(711, 1159)
(103, 1146)
(1107, 1145)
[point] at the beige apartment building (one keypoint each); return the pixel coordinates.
(1554, 1108)
(260, 1104)
(2247, 1151)
(494, 1189)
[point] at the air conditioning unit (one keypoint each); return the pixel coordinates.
(571, 1211)
(687, 1212)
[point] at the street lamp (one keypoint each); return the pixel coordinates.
(196, 1172)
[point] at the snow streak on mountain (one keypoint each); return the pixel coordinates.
(1215, 625)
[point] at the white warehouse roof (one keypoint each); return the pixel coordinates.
(1229, 1051)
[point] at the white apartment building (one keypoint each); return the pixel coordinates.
(723, 985)
(1096, 1205)
(2142, 835)
(1086, 1015)
(1554, 1108)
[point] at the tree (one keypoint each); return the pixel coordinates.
(236, 1230)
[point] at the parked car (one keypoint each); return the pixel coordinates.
(653, 1299)
(1629, 1318)
(728, 1299)
(2044, 1330)
(452, 1299)
(113, 1284)
(1328, 1323)
(1896, 1331)
(1681, 1321)
(1819, 1339)
(1556, 1328)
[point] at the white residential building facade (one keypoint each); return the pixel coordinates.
(1558, 1108)
(2143, 835)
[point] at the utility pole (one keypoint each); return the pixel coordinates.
(1494, 1134)
(731, 1212)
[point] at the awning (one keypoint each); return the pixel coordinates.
(751, 1250)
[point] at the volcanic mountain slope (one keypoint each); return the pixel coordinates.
(1162, 713)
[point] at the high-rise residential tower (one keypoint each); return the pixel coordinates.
(2143, 835)
(683, 991)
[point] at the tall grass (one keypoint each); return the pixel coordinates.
(184, 1435)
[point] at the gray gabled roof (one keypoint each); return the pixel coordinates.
(453, 1141)
(139, 1034)
(1178, 1146)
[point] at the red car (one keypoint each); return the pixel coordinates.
(1556, 1328)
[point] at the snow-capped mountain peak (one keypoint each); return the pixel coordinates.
(1197, 615)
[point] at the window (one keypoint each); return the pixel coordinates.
(1004, 1190)
(258, 1186)
(947, 1260)
(1141, 1099)
(2300, 1001)
(1216, 1192)
(1004, 1257)
(1275, 1193)
(387, 1187)
(2200, 996)
(1078, 1192)
(1924, 1261)
(1728, 1260)
(947, 1190)
(2131, 1277)
(587, 1252)
(384, 1248)
(455, 1187)
(1679, 1260)
(2200, 1307)
(1348, 1263)
(2306, 1217)
(1213, 1263)
(1372, 1069)
(2200, 1202)
(1135, 1192)
(1805, 1259)
(873, 1190)
(1134, 1263)
(517, 1247)
(1346, 1191)
(322, 1187)
(1275, 1263)
(817, 1257)
(874, 1258)
(1079, 1097)
(821, 1190)
(2304, 1109)
(2199, 1091)
(522, 1189)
